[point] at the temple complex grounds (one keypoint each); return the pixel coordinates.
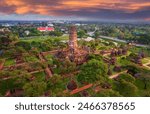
(67, 66)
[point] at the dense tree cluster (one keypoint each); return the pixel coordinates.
(92, 71)
(6, 38)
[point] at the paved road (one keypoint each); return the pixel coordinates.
(124, 41)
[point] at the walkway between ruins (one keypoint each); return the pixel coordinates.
(146, 65)
(79, 89)
(116, 75)
(47, 70)
(2, 64)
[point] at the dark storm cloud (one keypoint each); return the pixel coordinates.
(109, 14)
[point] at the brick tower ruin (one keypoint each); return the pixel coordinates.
(74, 53)
(73, 38)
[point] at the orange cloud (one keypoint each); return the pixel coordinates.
(106, 4)
(73, 7)
(15, 2)
(24, 6)
(138, 6)
(147, 19)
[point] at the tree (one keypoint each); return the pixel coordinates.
(34, 51)
(6, 38)
(107, 93)
(126, 77)
(145, 78)
(33, 32)
(33, 66)
(56, 85)
(127, 89)
(92, 71)
(94, 56)
(55, 33)
(96, 34)
(64, 67)
(25, 77)
(34, 88)
(133, 69)
(146, 93)
(24, 44)
(6, 85)
(144, 39)
(81, 34)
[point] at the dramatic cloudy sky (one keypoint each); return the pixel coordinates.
(75, 9)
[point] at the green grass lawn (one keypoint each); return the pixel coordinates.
(9, 62)
(42, 38)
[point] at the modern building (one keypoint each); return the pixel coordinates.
(45, 29)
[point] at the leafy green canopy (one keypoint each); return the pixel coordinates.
(92, 71)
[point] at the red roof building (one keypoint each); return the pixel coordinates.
(45, 29)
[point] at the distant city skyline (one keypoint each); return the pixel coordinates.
(95, 10)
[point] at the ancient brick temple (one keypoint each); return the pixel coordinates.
(73, 39)
(74, 53)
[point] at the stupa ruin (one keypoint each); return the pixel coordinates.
(73, 38)
(74, 52)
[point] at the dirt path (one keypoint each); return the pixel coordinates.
(41, 58)
(116, 75)
(33, 72)
(49, 52)
(79, 89)
(2, 64)
(47, 70)
(17, 65)
(6, 78)
(11, 77)
(146, 65)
